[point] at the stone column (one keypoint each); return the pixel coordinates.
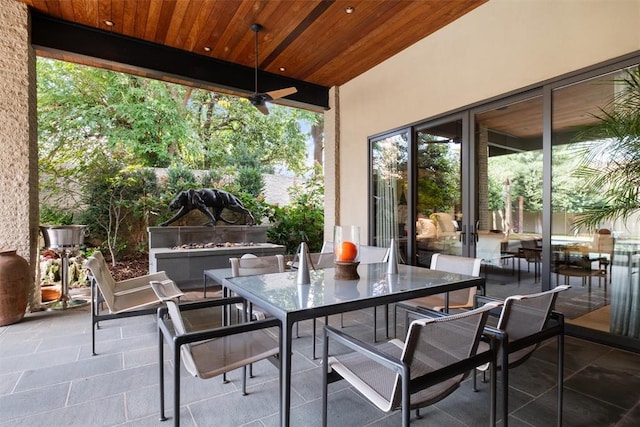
(332, 164)
(19, 208)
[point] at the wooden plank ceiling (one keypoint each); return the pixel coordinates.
(314, 41)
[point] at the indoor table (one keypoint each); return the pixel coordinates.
(280, 295)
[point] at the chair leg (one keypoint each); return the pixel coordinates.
(313, 344)
(176, 386)
(325, 372)
(386, 320)
(95, 295)
(375, 324)
(244, 380)
(504, 363)
(493, 398)
(161, 372)
(395, 321)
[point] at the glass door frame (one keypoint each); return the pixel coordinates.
(546, 169)
(467, 170)
(371, 232)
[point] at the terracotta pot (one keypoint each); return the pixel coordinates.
(15, 278)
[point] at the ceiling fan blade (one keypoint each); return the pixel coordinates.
(263, 109)
(281, 93)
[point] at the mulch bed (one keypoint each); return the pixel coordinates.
(130, 266)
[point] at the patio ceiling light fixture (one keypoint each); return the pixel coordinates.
(108, 23)
(349, 9)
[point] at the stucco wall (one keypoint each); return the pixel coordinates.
(18, 136)
(501, 46)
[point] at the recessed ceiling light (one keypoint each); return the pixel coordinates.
(109, 23)
(349, 9)
(282, 69)
(206, 49)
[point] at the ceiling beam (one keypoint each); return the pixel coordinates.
(57, 38)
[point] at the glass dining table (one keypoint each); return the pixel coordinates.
(280, 295)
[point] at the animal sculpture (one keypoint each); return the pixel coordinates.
(210, 202)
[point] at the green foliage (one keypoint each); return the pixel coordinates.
(51, 215)
(84, 110)
(438, 178)
(179, 179)
(250, 181)
(211, 179)
(496, 195)
(527, 181)
(256, 205)
(115, 196)
(569, 194)
(303, 220)
(616, 139)
(93, 123)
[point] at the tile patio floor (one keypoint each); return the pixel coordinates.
(49, 378)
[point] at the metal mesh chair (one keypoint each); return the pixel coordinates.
(464, 298)
(437, 355)
(532, 253)
(367, 255)
(525, 322)
(210, 352)
(126, 298)
(251, 265)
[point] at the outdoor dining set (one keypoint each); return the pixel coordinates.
(450, 329)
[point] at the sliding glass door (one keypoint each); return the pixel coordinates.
(439, 213)
(595, 185)
(542, 185)
(509, 160)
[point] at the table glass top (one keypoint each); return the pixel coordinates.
(281, 290)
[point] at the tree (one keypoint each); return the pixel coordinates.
(114, 193)
(85, 111)
(438, 178)
(303, 220)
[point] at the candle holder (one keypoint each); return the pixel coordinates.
(347, 270)
(346, 250)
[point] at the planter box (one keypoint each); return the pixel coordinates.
(186, 266)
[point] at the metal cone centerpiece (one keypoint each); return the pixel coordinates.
(303, 265)
(392, 261)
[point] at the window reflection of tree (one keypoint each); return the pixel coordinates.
(389, 166)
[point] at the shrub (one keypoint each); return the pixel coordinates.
(180, 178)
(250, 181)
(54, 216)
(303, 220)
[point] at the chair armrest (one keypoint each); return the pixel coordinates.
(493, 333)
(480, 300)
(483, 299)
(134, 284)
(419, 312)
(196, 305)
(166, 289)
(208, 334)
(365, 349)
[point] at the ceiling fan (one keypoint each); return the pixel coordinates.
(259, 99)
